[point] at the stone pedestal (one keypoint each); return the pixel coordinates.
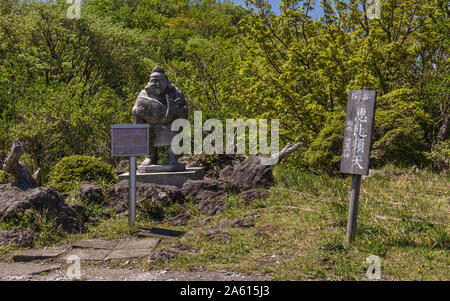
(155, 168)
(174, 178)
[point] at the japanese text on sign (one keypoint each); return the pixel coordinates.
(358, 132)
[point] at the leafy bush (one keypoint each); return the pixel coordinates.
(65, 175)
(5, 177)
(324, 153)
(398, 138)
(440, 157)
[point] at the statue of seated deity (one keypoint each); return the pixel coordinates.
(159, 104)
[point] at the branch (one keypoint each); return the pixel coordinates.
(20, 171)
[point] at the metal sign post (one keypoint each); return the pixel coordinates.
(132, 195)
(130, 140)
(356, 147)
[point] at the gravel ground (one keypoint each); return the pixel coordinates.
(92, 273)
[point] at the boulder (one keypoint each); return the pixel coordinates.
(81, 212)
(162, 195)
(19, 237)
(247, 174)
(254, 194)
(45, 200)
(212, 164)
(251, 173)
(91, 193)
(180, 219)
(207, 195)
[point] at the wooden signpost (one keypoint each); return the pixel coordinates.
(130, 140)
(356, 147)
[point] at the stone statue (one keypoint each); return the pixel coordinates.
(159, 104)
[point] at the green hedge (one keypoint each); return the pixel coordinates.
(70, 171)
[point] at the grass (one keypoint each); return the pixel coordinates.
(299, 234)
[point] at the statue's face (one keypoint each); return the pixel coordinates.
(158, 84)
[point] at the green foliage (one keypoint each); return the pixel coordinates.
(63, 81)
(5, 177)
(42, 223)
(324, 153)
(65, 175)
(150, 210)
(440, 156)
(398, 138)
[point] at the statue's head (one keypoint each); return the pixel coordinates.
(158, 82)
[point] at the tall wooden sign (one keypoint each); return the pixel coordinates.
(356, 147)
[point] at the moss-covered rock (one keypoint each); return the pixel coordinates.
(72, 170)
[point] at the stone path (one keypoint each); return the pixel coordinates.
(129, 249)
(22, 271)
(37, 254)
(93, 250)
(95, 244)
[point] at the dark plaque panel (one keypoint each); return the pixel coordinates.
(358, 132)
(129, 140)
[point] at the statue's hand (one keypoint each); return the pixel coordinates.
(179, 101)
(139, 110)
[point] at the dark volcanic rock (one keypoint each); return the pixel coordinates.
(14, 200)
(163, 195)
(163, 255)
(207, 195)
(19, 237)
(212, 164)
(91, 193)
(81, 212)
(247, 174)
(203, 222)
(181, 246)
(242, 223)
(254, 194)
(180, 219)
(217, 234)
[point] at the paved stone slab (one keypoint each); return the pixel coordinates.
(95, 244)
(159, 233)
(24, 269)
(37, 254)
(128, 249)
(88, 254)
(128, 254)
(134, 244)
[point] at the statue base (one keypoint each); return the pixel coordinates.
(161, 168)
(174, 178)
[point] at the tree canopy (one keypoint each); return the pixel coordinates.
(63, 81)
